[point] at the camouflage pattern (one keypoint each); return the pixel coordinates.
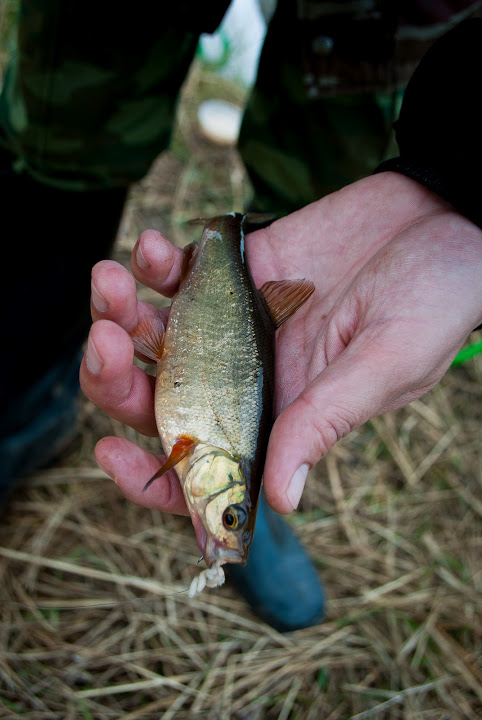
(312, 150)
(297, 148)
(328, 91)
(90, 95)
(89, 100)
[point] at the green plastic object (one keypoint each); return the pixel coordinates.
(467, 352)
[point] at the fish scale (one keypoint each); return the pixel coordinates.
(216, 370)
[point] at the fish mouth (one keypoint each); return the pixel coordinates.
(215, 551)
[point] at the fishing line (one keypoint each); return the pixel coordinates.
(112, 604)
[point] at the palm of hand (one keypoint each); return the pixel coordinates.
(353, 250)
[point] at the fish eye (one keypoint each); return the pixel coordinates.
(235, 517)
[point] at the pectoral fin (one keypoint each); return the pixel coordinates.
(285, 297)
(148, 337)
(183, 446)
(190, 252)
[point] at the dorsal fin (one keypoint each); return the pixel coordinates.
(148, 337)
(285, 297)
(205, 220)
(258, 218)
(249, 218)
(255, 221)
(198, 221)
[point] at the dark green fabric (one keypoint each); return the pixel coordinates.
(297, 149)
(90, 96)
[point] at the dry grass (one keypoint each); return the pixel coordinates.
(95, 618)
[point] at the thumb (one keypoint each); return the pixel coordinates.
(353, 388)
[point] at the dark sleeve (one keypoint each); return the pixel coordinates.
(439, 131)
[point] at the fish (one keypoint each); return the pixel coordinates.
(214, 387)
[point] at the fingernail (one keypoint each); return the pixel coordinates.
(98, 300)
(92, 358)
(141, 260)
(296, 485)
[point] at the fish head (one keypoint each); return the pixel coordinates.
(221, 509)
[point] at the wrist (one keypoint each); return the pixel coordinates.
(465, 200)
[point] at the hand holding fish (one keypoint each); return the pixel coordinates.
(398, 289)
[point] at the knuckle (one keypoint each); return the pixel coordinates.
(329, 428)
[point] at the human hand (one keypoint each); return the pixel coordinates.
(398, 289)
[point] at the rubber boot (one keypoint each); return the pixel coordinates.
(279, 581)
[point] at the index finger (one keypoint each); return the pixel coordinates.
(157, 263)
